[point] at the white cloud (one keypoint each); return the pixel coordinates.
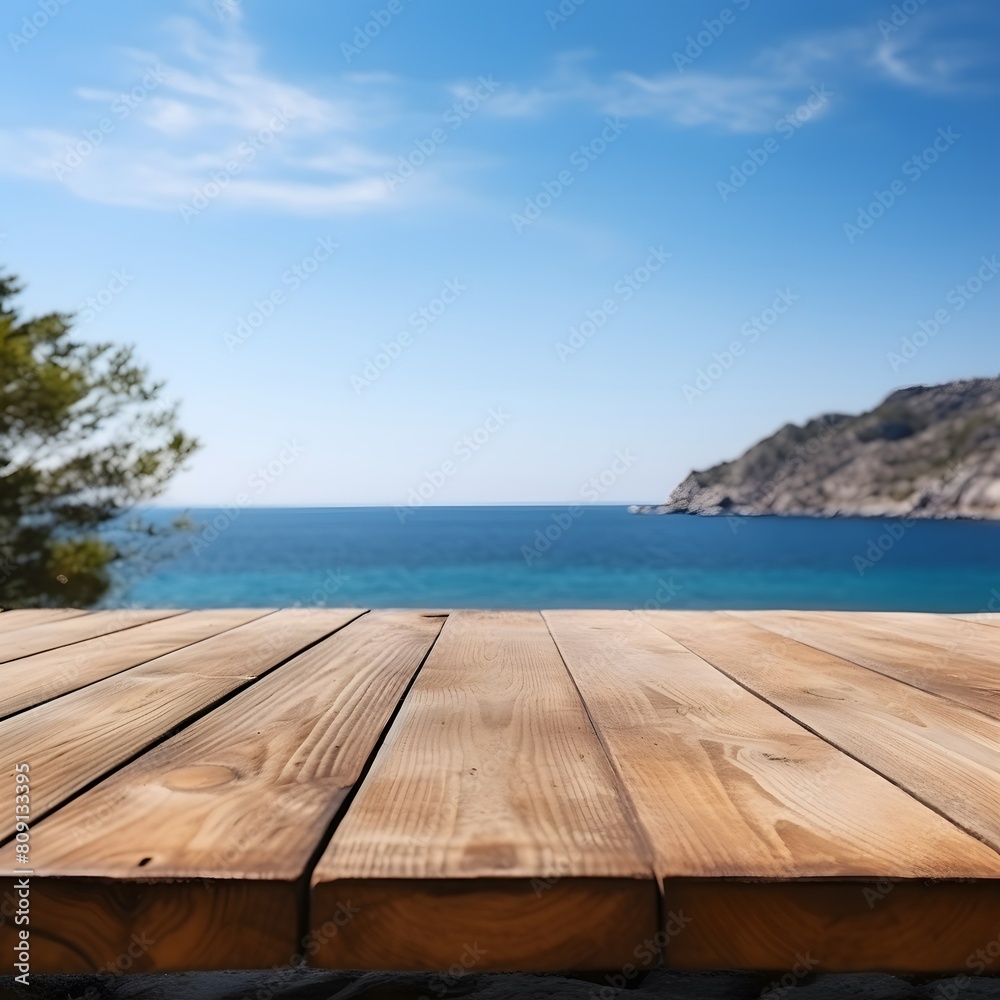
(917, 55)
(734, 104)
(171, 116)
(752, 99)
(297, 196)
(184, 117)
(940, 67)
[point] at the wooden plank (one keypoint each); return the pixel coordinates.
(982, 617)
(950, 633)
(490, 820)
(912, 926)
(23, 617)
(73, 740)
(50, 635)
(945, 754)
(31, 680)
(955, 659)
(738, 799)
(201, 845)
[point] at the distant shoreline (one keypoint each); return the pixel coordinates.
(925, 453)
(817, 515)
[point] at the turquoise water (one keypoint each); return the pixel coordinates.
(525, 557)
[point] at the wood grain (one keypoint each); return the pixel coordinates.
(546, 783)
(944, 754)
(476, 925)
(202, 844)
(23, 617)
(49, 635)
(956, 659)
(490, 815)
(77, 929)
(910, 926)
(981, 618)
(726, 785)
(31, 680)
(73, 740)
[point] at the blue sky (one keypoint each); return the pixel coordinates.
(574, 242)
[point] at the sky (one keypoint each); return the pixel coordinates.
(404, 252)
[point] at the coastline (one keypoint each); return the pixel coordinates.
(814, 514)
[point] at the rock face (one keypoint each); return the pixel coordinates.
(926, 452)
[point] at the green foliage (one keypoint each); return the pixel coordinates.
(83, 439)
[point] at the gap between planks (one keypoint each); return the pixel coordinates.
(205, 841)
(74, 629)
(751, 813)
(33, 680)
(78, 739)
(925, 922)
(490, 818)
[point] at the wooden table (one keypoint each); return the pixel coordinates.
(477, 790)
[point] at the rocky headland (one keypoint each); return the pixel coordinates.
(925, 452)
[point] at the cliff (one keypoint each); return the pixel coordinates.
(926, 451)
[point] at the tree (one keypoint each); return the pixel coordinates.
(84, 439)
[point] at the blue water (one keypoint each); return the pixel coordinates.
(532, 557)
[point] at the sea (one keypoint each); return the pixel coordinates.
(565, 557)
